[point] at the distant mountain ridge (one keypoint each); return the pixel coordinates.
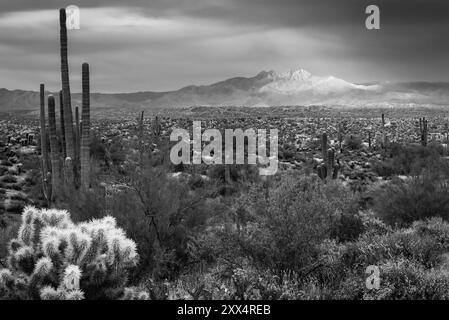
(267, 88)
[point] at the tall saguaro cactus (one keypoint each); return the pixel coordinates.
(324, 146)
(61, 120)
(54, 149)
(327, 169)
(43, 131)
(85, 128)
(44, 159)
(77, 134)
(423, 131)
(66, 175)
(68, 117)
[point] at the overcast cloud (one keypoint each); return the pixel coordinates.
(163, 45)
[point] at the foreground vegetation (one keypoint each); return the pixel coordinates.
(211, 232)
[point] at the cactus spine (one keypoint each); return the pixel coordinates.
(54, 150)
(85, 128)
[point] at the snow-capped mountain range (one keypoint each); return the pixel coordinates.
(299, 81)
(267, 88)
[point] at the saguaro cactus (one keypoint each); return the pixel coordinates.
(369, 139)
(54, 150)
(384, 134)
(75, 152)
(62, 127)
(85, 128)
(324, 147)
(328, 168)
(157, 127)
(44, 159)
(77, 135)
(68, 118)
(423, 131)
(43, 130)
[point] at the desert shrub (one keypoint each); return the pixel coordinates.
(8, 230)
(85, 205)
(54, 259)
(163, 216)
(116, 152)
(8, 179)
(287, 152)
(97, 147)
(242, 283)
(283, 232)
(405, 159)
(405, 280)
(353, 142)
(412, 262)
(402, 202)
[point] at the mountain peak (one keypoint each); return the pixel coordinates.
(266, 74)
(295, 75)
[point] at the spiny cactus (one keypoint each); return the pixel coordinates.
(44, 159)
(384, 134)
(77, 134)
(157, 128)
(74, 169)
(85, 129)
(328, 168)
(423, 131)
(62, 127)
(54, 150)
(369, 139)
(68, 117)
(324, 147)
(53, 258)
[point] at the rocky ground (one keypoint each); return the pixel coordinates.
(19, 167)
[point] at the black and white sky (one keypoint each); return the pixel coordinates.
(159, 45)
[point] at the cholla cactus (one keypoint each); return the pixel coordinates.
(53, 258)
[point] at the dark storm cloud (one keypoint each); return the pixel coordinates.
(164, 44)
(264, 12)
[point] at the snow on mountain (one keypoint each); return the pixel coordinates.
(267, 88)
(299, 81)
